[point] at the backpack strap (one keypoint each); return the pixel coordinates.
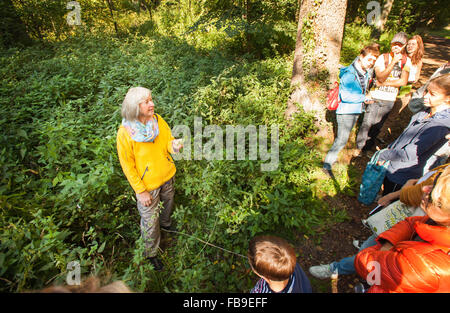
(386, 60)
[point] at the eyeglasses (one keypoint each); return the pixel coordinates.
(398, 44)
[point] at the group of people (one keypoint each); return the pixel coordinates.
(388, 72)
(145, 145)
(413, 255)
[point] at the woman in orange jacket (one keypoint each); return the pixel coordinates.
(144, 145)
(414, 255)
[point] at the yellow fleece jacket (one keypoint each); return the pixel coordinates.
(147, 165)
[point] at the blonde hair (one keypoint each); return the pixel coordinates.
(272, 257)
(130, 105)
(441, 192)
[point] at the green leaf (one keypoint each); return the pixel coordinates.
(22, 133)
(46, 267)
(102, 247)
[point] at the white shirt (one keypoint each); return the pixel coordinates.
(388, 93)
(413, 73)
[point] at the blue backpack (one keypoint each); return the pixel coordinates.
(372, 179)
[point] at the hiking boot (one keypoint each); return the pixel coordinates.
(326, 169)
(157, 265)
(321, 271)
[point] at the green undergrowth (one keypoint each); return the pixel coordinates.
(63, 196)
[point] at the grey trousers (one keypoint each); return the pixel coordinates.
(374, 118)
(154, 215)
(345, 123)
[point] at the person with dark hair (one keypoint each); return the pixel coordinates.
(392, 71)
(416, 103)
(354, 82)
(424, 135)
(414, 255)
(273, 260)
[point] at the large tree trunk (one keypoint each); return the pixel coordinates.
(324, 22)
(381, 23)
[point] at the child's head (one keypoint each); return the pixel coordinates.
(271, 257)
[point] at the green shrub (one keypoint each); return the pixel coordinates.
(64, 197)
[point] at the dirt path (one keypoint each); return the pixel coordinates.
(338, 241)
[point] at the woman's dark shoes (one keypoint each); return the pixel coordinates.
(157, 265)
(326, 169)
(328, 172)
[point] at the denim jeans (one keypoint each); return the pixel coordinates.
(346, 265)
(345, 124)
(374, 117)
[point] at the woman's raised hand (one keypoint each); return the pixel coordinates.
(177, 144)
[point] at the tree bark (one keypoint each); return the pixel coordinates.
(331, 20)
(111, 9)
(148, 7)
(387, 7)
(327, 18)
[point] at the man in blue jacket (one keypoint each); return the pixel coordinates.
(353, 86)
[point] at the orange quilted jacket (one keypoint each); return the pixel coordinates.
(409, 266)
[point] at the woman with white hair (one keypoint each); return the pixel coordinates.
(144, 145)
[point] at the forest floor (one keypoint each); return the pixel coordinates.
(336, 243)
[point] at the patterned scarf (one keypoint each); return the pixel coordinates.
(140, 132)
(361, 76)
